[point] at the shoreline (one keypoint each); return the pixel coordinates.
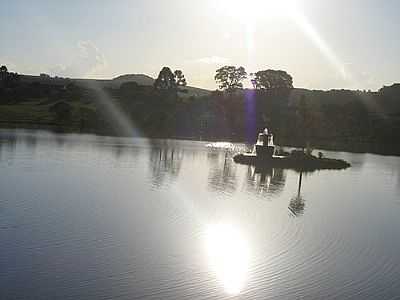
(336, 145)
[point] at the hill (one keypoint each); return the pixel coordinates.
(114, 83)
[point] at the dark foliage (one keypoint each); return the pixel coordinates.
(8, 79)
(168, 81)
(336, 119)
(272, 79)
(229, 78)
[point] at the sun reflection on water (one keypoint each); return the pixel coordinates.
(229, 256)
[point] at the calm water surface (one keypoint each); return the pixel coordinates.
(85, 217)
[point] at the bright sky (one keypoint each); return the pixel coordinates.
(322, 44)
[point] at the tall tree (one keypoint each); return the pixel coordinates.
(165, 80)
(229, 78)
(170, 81)
(180, 78)
(272, 79)
(3, 72)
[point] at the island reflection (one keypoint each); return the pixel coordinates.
(297, 203)
(265, 181)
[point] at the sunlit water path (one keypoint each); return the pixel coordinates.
(86, 217)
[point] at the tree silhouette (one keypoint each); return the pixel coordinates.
(3, 72)
(165, 80)
(170, 81)
(229, 78)
(180, 78)
(272, 79)
(8, 79)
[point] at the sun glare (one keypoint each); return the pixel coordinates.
(228, 255)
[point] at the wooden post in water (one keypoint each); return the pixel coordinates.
(300, 179)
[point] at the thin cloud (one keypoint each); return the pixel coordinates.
(87, 61)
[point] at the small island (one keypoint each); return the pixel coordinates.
(304, 162)
(263, 155)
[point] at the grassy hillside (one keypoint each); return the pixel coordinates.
(114, 83)
(336, 119)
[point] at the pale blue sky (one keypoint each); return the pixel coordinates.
(334, 44)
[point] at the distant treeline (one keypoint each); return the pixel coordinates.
(336, 119)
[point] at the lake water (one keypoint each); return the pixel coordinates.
(86, 217)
